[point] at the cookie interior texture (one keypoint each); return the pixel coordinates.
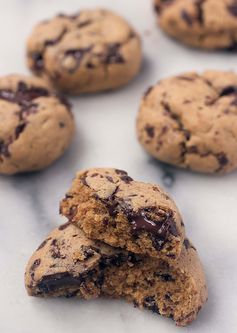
(36, 125)
(68, 264)
(90, 51)
(208, 24)
(190, 121)
(110, 206)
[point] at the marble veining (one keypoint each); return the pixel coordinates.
(106, 137)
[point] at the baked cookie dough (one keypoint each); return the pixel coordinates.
(208, 24)
(110, 206)
(91, 51)
(36, 125)
(68, 264)
(190, 121)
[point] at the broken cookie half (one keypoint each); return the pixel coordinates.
(110, 206)
(69, 264)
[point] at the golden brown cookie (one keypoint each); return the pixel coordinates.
(208, 24)
(190, 121)
(36, 125)
(110, 206)
(68, 264)
(91, 51)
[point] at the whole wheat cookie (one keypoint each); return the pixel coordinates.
(68, 264)
(91, 51)
(110, 206)
(36, 125)
(208, 24)
(190, 121)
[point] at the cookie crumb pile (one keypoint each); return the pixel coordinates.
(73, 261)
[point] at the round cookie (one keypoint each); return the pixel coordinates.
(112, 207)
(94, 50)
(208, 24)
(190, 121)
(69, 264)
(36, 125)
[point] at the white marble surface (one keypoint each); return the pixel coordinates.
(106, 137)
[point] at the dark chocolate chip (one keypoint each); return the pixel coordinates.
(222, 158)
(147, 92)
(64, 226)
(38, 61)
(126, 179)
(232, 8)
(150, 304)
(4, 149)
(150, 131)
(188, 245)
(19, 129)
(112, 55)
(229, 90)
(56, 281)
(35, 264)
(187, 17)
(165, 277)
(43, 243)
(120, 172)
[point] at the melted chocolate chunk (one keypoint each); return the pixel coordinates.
(160, 227)
(113, 56)
(54, 282)
(24, 94)
(228, 91)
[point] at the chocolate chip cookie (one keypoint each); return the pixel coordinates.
(208, 24)
(91, 51)
(68, 264)
(36, 125)
(190, 121)
(110, 206)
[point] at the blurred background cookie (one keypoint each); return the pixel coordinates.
(208, 24)
(91, 51)
(36, 125)
(190, 121)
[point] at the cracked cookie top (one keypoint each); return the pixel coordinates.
(90, 51)
(36, 125)
(209, 24)
(110, 206)
(190, 121)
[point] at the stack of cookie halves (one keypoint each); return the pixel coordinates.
(124, 239)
